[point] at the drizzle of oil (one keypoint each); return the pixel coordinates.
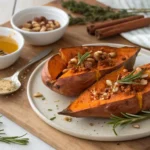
(8, 44)
(140, 99)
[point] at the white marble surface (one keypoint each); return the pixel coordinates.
(12, 129)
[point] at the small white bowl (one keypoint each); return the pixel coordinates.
(8, 60)
(41, 38)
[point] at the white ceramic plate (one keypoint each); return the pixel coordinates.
(80, 127)
(140, 36)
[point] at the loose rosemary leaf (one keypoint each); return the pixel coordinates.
(13, 139)
(127, 118)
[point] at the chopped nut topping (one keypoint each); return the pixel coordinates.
(109, 82)
(112, 54)
(138, 69)
(90, 59)
(125, 70)
(144, 82)
(88, 64)
(144, 76)
(115, 89)
(97, 55)
(73, 61)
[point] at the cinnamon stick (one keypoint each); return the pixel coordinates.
(123, 27)
(93, 27)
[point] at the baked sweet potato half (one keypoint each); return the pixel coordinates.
(118, 92)
(74, 69)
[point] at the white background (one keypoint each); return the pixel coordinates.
(12, 129)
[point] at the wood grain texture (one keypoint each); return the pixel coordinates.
(17, 108)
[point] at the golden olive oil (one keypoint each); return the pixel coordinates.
(8, 45)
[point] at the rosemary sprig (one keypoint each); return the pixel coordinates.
(129, 79)
(128, 119)
(15, 139)
(93, 13)
(81, 58)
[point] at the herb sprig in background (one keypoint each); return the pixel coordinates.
(94, 13)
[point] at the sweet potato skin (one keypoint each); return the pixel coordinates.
(70, 86)
(105, 111)
(116, 108)
(75, 84)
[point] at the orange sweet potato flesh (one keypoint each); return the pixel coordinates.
(71, 83)
(119, 103)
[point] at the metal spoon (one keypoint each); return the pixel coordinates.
(15, 77)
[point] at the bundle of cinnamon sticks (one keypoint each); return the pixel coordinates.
(113, 27)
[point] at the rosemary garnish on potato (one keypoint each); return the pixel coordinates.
(128, 119)
(83, 57)
(129, 79)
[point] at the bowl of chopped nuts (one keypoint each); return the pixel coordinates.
(41, 25)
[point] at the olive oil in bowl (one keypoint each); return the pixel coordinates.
(7, 45)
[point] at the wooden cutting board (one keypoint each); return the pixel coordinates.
(16, 106)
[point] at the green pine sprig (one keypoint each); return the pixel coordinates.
(128, 119)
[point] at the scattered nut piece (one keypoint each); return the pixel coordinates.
(91, 124)
(38, 94)
(136, 126)
(68, 119)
